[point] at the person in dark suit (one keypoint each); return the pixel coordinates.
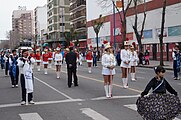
(71, 60)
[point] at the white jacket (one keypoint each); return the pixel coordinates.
(108, 60)
(134, 59)
(125, 57)
(58, 59)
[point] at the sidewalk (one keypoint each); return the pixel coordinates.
(168, 65)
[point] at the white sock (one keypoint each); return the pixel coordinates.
(106, 90)
(134, 76)
(110, 90)
(38, 67)
(46, 71)
(131, 76)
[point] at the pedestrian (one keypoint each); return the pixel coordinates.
(80, 58)
(176, 55)
(159, 105)
(50, 58)
(58, 61)
(2, 60)
(14, 69)
(38, 59)
(32, 54)
(125, 63)
(108, 70)
(118, 58)
(71, 61)
(89, 59)
(25, 64)
(45, 61)
(141, 58)
(133, 63)
(95, 55)
(147, 57)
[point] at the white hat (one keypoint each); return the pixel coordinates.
(37, 49)
(58, 48)
(107, 46)
(132, 47)
(126, 43)
(45, 50)
(67, 49)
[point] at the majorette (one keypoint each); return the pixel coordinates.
(45, 60)
(38, 59)
(50, 58)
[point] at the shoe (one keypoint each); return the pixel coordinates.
(177, 78)
(13, 86)
(31, 102)
(46, 73)
(23, 102)
(16, 85)
(76, 85)
(69, 86)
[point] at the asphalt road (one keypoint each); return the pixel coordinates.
(55, 101)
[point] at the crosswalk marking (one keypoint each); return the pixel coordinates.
(30, 116)
(116, 97)
(134, 107)
(93, 114)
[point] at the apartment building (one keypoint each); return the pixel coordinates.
(22, 23)
(78, 19)
(58, 20)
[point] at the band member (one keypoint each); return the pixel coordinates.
(2, 59)
(125, 57)
(45, 60)
(50, 58)
(159, 105)
(89, 59)
(71, 61)
(14, 69)
(7, 63)
(26, 77)
(38, 59)
(32, 54)
(133, 62)
(108, 70)
(58, 62)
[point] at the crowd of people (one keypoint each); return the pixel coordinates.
(24, 63)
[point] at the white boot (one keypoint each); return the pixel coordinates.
(58, 75)
(89, 69)
(124, 85)
(110, 90)
(50, 65)
(38, 68)
(46, 71)
(106, 90)
(126, 82)
(134, 76)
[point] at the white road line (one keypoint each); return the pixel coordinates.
(115, 97)
(30, 116)
(43, 103)
(93, 114)
(53, 88)
(134, 107)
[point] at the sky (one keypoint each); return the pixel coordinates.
(6, 10)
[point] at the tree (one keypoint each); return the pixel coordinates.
(69, 36)
(97, 24)
(122, 13)
(135, 26)
(162, 30)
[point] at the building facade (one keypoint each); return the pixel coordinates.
(58, 20)
(22, 23)
(40, 23)
(78, 20)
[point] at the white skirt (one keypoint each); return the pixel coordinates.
(89, 61)
(50, 58)
(45, 62)
(58, 63)
(108, 72)
(38, 60)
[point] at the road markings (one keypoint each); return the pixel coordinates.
(134, 107)
(43, 103)
(93, 114)
(30, 116)
(115, 97)
(53, 88)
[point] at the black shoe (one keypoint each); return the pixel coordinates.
(76, 85)
(69, 86)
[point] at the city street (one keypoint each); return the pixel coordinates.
(55, 101)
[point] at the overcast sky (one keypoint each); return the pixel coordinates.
(6, 9)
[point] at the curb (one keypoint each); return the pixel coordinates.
(155, 66)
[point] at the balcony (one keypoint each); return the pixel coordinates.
(78, 16)
(79, 4)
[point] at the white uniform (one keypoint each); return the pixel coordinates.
(125, 57)
(108, 60)
(134, 59)
(58, 59)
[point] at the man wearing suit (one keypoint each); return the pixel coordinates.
(71, 60)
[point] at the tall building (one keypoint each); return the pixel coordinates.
(22, 23)
(78, 17)
(58, 19)
(40, 13)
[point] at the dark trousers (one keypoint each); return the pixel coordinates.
(23, 89)
(2, 65)
(14, 80)
(70, 72)
(175, 69)
(6, 68)
(94, 61)
(119, 62)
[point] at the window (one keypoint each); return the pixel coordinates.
(174, 31)
(147, 34)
